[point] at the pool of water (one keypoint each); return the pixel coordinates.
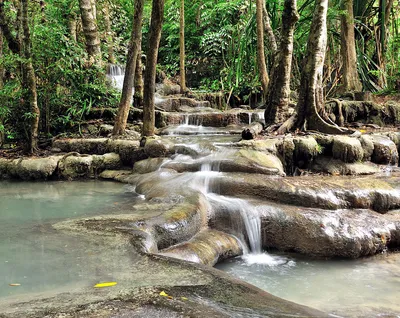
(366, 287)
(37, 258)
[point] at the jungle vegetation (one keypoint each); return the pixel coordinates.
(54, 56)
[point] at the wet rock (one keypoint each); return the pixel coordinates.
(286, 149)
(177, 104)
(207, 247)
(340, 233)
(338, 167)
(347, 149)
(243, 160)
(377, 193)
(148, 165)
(325, 142)
(158, 148)
(385, 150)
(252, 131)
(29, 168)
(368, 146)
(105, 130)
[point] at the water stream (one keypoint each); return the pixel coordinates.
(35, 256)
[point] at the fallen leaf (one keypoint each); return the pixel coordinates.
(13, 285)
(163, 293)
(107, 284)
(184, 298)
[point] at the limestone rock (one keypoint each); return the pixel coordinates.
(368, 146)
(338, 167)
(306, 149)
(347, 149)
(29, 168)
(158, 148)
(207, 247)
(385, 150)
(148, 165)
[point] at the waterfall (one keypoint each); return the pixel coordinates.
(116, 74)
(247, 213)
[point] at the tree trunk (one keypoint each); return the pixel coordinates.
(351, 81)
(182, 47)
(109, 37)
(13, 43)
(311, 90)
(277, 101)
(72, 26)
(127, 88)
(29, 79)
(262, 67)
(157, 13)
(270, 33)
(138, 95)
(90, 31)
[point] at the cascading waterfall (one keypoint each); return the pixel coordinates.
(116, 74)
(248, 215)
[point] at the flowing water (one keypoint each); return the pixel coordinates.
(116, 76)
(363, 288)
(36, 257)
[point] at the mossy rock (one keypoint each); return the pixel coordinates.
(306, 149)
(148, 165)
(347, 149)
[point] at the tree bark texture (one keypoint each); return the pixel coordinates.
(138, 95)
(109, 37)
(127, 88)
(157, 13)
(278, 95)
(269, 32)
(311, 91)
(182, 71)
(351, 80)
(29, 79)
(262, 67)
(90, 31)
(1, 85)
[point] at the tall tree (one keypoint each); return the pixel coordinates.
(182, 72)
(90, 30)
(1, 86)
(29, 79)
(127, 88)
(157, 15)
(277, 101)
(311, 98)
(262, 67)
(109, 37)
(138, 95)
(350, 77)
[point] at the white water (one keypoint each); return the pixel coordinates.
(116, 74)
(248, 214)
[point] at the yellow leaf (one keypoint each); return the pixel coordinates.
(13, 285)
(184, 298)
(107, 284)
(363, 131)
(163, 293)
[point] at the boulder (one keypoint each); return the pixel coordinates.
(322, 233)
(347, 149)
(29, 168)
(368, 146)
(305, 150)
(385, 150)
